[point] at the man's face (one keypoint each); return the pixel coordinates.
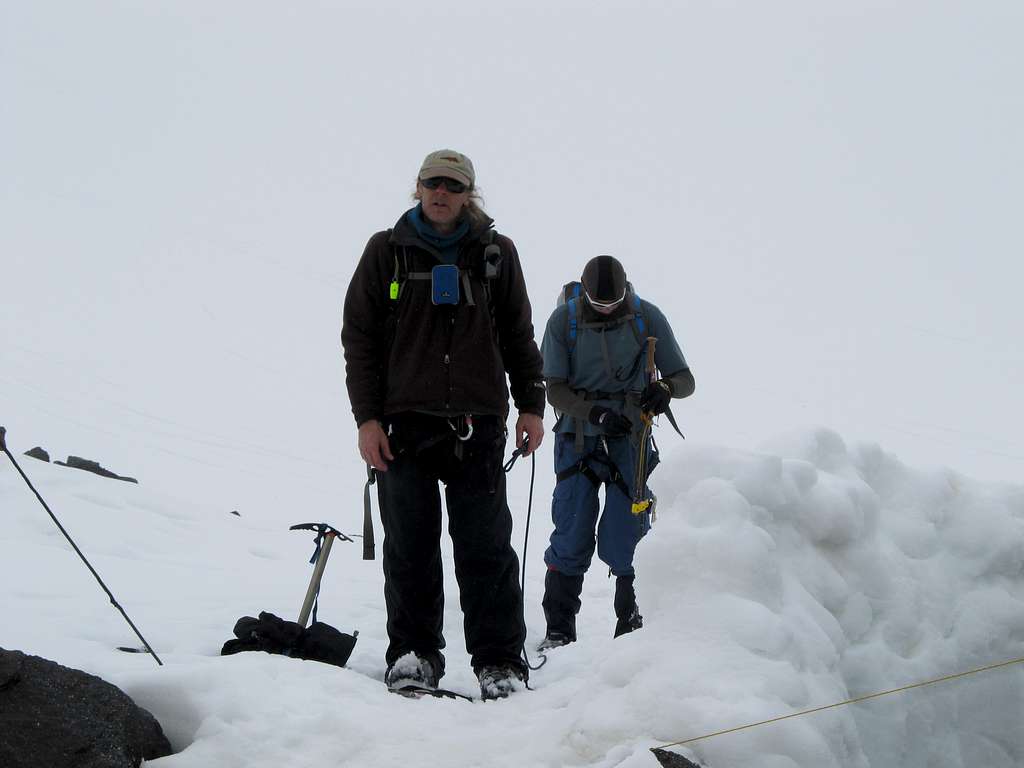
(441, 206)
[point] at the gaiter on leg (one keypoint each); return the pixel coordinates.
(627, 612)
(562, 602)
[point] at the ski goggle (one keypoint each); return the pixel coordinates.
(605, 304)
(453, 186)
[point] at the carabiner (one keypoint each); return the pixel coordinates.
(468, 421)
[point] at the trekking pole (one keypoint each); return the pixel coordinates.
(3, 447)
(641, 502)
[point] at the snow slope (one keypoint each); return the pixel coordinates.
(772, 582)
(822, 198)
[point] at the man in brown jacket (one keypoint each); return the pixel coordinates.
(435, 317)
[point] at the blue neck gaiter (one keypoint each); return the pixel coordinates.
(447, 245)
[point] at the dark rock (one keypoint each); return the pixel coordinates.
(77, 462)
(38, 453)
(236, 512)
(63, 718)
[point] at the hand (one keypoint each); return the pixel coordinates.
(374, 446)
(656, 397)
(614, 424)
(533, 426)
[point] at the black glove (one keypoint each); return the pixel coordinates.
(656, 397)
(614, 424)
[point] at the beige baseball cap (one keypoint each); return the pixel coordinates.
(450, 164)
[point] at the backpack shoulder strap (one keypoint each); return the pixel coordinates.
(639, 325)
(572, 322)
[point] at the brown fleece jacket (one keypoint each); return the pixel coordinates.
(412, 355)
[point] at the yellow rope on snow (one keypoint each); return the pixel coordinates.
(843, 703)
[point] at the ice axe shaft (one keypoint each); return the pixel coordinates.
(641, 502)
(314, 581)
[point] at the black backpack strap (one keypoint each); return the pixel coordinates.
(489, 270)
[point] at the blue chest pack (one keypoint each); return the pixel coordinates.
(446, 279)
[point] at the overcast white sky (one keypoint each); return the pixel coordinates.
(823, 198)
(820, 196)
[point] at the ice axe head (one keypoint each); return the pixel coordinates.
(322, 529)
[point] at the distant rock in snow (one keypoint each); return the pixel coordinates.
(38, 453)
(76, 462)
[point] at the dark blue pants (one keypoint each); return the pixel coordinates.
(575, 508)
(480, 525)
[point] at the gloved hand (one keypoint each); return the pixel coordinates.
(614, 424)
(656, 397)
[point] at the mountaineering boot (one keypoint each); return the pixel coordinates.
(627, 612)
(411, 669)
(561, 604)
(553, 640)
(499, 680)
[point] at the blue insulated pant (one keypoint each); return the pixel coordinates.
(575, 507)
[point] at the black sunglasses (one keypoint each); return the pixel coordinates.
(453, 186)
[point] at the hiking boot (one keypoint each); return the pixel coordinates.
(554, 640)
(499, 680)
(411, 669)
(631, 623)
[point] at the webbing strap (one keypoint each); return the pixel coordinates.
(368, 543)
(582, 468)
(639, 315)
(600, 394)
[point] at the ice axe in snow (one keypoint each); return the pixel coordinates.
(326, 534)
(319, 641)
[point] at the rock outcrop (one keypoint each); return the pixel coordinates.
(58, 717)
